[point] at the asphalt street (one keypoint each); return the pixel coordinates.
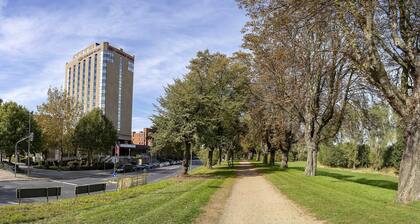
(68, 180)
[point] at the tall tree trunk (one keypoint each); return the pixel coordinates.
(272, 157)
(210, 159)
(258, 156)
(409, 176)
(220, 156)
(284, 159)
(186, 161)
(311, 160)
(311, 137)
(265, 158)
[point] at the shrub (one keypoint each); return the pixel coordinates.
(344, 155)
(74, 165)
(333, 156)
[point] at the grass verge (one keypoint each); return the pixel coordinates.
(176, 200)
(342, 196)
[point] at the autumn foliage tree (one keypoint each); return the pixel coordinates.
(328, 43)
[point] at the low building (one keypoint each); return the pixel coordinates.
(142, 137)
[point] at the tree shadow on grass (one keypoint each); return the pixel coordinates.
(353, 178)
(265, 169)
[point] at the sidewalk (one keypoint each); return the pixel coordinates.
(10, 176)
(255, 200)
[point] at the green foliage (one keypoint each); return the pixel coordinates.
(95, 133)
(345, 196)
(333, 156)
(344, 155)
(204, 107)
(57, 118)
(298, 152)
(14, 124)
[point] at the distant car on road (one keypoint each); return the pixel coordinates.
(125, 168)
(140, 167)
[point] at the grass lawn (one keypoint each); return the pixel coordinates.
(176, 200)
(342, 196)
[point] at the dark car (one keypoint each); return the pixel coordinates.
(140, 167)
(125, 168)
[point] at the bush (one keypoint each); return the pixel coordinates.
(74, 165)
(363, 155)
(333, 156)
(347, 155)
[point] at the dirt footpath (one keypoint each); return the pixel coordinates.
(254, 200)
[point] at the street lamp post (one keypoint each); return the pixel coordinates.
(31, 138)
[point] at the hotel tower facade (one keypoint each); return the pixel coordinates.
(101, 76)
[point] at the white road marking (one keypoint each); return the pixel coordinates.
(62, 182)
(12, 203)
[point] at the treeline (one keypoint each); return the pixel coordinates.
(58, 125)
(340, 76)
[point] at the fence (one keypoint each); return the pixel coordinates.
(38, 192)
(87, 189)
(127, 182)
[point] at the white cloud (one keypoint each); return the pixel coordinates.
(141, 122)
(36, 41)
(31, 90)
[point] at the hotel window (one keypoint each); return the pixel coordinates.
(95, 61)
(68, 81)
(108, 57)
(131, 66)
(119, 94)
(78, 80)
(73, 80)
(88, 85)
(83, 85)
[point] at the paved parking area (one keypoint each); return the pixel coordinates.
(68, 180)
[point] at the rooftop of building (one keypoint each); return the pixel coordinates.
(96, 46)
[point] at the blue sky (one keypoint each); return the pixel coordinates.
(37, 37)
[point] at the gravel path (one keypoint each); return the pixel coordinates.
(255, 200)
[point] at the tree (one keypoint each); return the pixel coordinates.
(382, 42)
(203, 109)
(14, 125)
(57, 118)
(296, 48)
(94, 133)
(177, 119)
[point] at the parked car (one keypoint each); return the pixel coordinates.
(140, 167)
(155, 165)
(125, 168)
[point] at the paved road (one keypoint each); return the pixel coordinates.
(68, 180)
